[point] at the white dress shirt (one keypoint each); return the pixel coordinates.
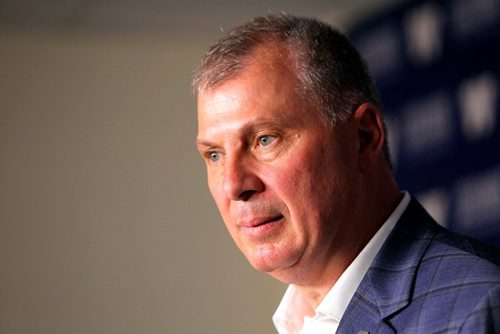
(332, 307)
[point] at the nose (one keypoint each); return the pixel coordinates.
(240, 182)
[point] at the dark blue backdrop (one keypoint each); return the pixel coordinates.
(437, 65)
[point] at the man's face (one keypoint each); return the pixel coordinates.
(284, 182)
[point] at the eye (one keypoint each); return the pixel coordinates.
(266, 140)
(214, 156)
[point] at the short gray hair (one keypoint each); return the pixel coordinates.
(330, 71)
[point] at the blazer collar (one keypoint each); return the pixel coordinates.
(387, 286)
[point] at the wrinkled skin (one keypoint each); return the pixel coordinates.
(288, 187)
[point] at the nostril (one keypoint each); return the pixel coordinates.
(246, 195)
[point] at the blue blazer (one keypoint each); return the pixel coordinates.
(427, 279)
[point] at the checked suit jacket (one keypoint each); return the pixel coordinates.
(426, 279)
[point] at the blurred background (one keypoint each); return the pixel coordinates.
(106, 224)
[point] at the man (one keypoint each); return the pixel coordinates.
(296, 153)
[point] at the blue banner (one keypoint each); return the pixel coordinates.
(437, 65)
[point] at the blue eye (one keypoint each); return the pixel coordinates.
(266, 140)
(214, 156)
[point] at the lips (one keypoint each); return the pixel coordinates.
(260, 228)
(255, 222)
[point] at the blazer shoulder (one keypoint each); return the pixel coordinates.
(460, 248)
(417, 223)
(452, 277)
(425, 279)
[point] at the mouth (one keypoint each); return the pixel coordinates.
(270, 220)
(262, 226)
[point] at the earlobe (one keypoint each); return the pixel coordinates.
(371, 134)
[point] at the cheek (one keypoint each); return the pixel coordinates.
(295, 185)
(311, 185)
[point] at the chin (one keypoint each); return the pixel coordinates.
(270, 259)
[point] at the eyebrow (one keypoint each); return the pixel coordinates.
(250, 127)
(203, 143)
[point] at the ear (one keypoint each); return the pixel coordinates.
(371, 135)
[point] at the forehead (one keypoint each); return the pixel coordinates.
(263, 90)
(261, 81)
(266, 72)
(270, 57)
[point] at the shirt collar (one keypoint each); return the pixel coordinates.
(336, 301)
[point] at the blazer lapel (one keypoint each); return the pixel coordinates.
(387, 286)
